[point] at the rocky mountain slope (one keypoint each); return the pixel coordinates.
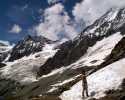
(91, 62)
(41, 72)
(109, 78)
(69, 52)
(29, 45)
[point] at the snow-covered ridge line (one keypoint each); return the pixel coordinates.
(113, 19)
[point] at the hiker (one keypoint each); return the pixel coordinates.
(84, 84)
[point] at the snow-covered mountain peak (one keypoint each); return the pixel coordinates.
(29, 45)
(110, 21)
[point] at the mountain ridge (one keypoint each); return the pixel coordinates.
(71, 51)
(59, 72)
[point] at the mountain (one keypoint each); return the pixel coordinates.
(108, 82)
(62, 79)
(22, 72)
(69, 52)
(29, 45)
(44, 70)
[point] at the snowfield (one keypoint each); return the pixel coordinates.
(25, 69)
(107, 78)
(96, 53)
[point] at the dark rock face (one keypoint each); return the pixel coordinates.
(117, 53)
(72, 50)
(3, 56)
(28, 46)
(2, 65)
(68, 53)
(123, 84)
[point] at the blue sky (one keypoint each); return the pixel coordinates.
(25, 14)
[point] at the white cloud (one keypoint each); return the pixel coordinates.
(56, 24)
(15, 29)
(24, 7)
(90, 10)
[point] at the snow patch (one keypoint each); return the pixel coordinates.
(107, 78)
(95, 55)
(25, 70)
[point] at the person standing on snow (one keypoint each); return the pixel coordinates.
(84, 84)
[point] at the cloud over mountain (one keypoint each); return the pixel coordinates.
(56, 24)
(90, 10)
